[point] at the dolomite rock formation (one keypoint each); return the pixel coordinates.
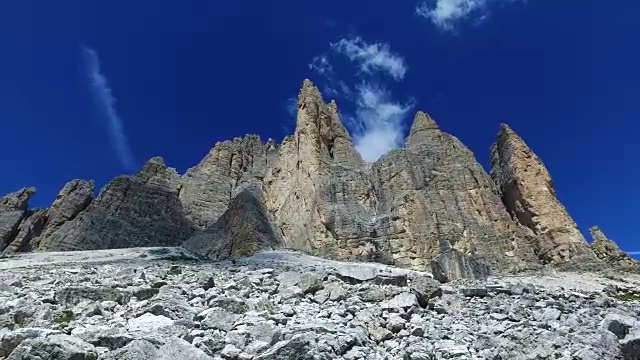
(408, 208)
(13, 209)
(428, 205)
(608, 251)
(527, 191)
(439, 198)
(140, 210)
(318, 190)
(244, 229)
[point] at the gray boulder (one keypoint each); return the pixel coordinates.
(54, 347)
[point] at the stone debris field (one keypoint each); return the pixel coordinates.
(161, 303)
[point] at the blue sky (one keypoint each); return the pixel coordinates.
(91, 89)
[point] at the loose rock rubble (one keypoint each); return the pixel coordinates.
(284, 305)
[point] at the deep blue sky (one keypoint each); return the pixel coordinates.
(189, 74)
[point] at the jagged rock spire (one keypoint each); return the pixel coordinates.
(609, 252)
(423, 122)
(425, 132)
(319, 127)
(527, 191)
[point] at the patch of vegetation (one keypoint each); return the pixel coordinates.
(64, 318)
(265, 306)
(627, 296)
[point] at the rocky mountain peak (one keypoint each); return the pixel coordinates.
(423, 122)
(527, 191)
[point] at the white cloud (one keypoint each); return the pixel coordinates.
(446, 13)
(321, 65)
(632, 253)
(372, 57)
(106, 103)
(378, 122)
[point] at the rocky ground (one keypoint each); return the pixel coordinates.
(161, 304)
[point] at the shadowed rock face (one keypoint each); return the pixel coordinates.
(13, 209)
(142, 210)
(208, 187)
(528, 194)
(28, 230)
(609, 252)
(244, 229)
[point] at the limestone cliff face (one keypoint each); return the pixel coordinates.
(609, 252)
(411, 206)
(527, 191)
(317, 190)
(437, 198)
(131, 211)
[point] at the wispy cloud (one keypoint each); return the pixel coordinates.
(445, 14)
(633, 253)
(376, 122)
(372, 57)
(321, 65)
(106, 103)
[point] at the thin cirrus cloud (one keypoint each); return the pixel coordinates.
(106, 104)
(633, 253)
(377, 121)
(446, 14)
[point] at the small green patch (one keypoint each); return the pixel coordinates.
(64, 318)
(628, 296)
(266, 306)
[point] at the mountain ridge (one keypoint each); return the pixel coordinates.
(428, 205)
